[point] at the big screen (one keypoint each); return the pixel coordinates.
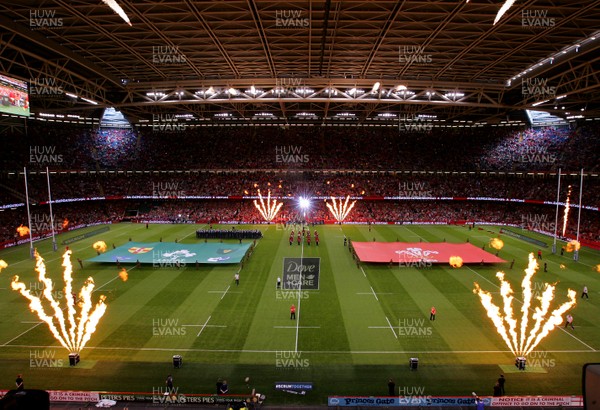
(14, 98)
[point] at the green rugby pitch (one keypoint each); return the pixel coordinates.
(353, 334)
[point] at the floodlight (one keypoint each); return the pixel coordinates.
(304, 203)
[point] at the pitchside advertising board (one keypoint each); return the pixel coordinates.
(469, 401)
(301, 273)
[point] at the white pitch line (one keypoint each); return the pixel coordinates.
(391, 327)
(363, 272)
(224, 293)
(294, 327)
(379, 327)
(418, 236)
(188, 235)
(203, 326)
(568, 261)
(374, 294)
(36, 322)
(369, 293)
(521, 302)
(297, 314)
(220, 291)
(366, 352)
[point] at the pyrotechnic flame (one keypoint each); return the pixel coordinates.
(496, 243)
(73, 332)
(340, 211)
(124, 275)
(493, 313)
(507, 296)
(117, 9)
(269, 210)
(65, 223)
(597, 267)
(507, 4)
(522, 341)
(3, 265)
(566, 212)
(572, 246)
(455, 261)
(527, 295)
(23, 230)
(562, 266)
(99, 246)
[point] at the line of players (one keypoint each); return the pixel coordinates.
(304, 234)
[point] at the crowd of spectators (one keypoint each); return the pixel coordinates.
(352, 148)
(541, 187)
(528, 149)
(528, 216)
(368, 162)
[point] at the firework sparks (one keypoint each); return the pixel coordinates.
(65, 223)
(597, 267)
(3, 265)
(566, 212)
(23, 230)
(507, 5)
(269, 210)
(124, 275)
(455, 261)
(72, 332)
(497, 243)
(340, 210)
(572, 246)
(562, 266)
(520, 339)
(117, 9)
(99, 246)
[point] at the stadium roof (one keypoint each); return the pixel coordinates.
(308, 61)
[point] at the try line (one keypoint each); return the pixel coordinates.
(366, 352)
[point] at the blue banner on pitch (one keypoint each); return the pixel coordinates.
(167, 254)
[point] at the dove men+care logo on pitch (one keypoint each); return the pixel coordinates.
(301, 273)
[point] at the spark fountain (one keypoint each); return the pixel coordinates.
(340, 211)
(73, 331)
(516, 333)
(566, 213)
(269, 210)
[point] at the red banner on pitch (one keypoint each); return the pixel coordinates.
(407, 252)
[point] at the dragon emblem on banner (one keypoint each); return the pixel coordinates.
(419, 253)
